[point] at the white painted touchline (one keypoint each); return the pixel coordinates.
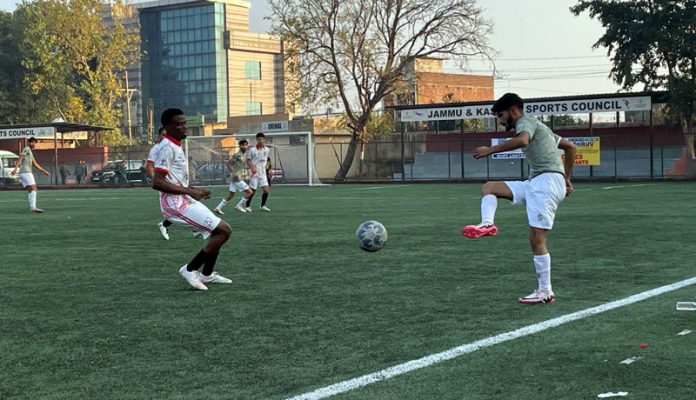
(455, 352)
(381, 187)
(625, 186)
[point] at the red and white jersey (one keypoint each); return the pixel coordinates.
(258, 156)
(151, 154)
(169, 157)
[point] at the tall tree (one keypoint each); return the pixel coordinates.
(17, 104)
(72, 61)
(355, 51)
(653, 44)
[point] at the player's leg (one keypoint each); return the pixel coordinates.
(491, 191)
(253, 184)
(242, 186)
(217, 232)
(248, 201)
(29, 184)
(542, 266)
(243, 201)
(163, 227)
(543, 197)
(266, 190)
(225, 200)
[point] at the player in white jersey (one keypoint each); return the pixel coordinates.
(548, 185)
(163, 225)
(180, 202)
(256, 159)
(24, 163)
(237, 167)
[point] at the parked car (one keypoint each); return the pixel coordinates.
(7, 164)
(212, 174)
(276, 175)
(108, 173)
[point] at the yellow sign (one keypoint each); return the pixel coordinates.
(586, 150)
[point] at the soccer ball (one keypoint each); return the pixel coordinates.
(372, 236)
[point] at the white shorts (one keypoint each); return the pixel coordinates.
(258, 181)
(542, 195)
(238, 186)
(27, 179)
(196, 215)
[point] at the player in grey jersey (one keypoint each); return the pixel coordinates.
(24, 163)
(548, 185)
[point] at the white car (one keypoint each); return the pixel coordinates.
(8, 160)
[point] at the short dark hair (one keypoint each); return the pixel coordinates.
(169, 114)
(506, 101)
(162, 130)
(260, 134)
(31, 139)
(243, 141)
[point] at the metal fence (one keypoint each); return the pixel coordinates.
(421, 159)
(418, 158)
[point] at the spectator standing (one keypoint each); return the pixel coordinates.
(79, 172)
(63, 170)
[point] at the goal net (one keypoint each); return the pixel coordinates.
(291, 154)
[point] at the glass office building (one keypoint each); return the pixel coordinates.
(184, 58)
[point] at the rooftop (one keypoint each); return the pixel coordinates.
(165, 3)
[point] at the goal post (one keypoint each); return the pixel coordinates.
(292, 156)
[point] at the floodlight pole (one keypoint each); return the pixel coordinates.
(310, 159)
(403, 152)
(128, 95)
(55, 154)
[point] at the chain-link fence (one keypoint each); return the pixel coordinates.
(429, 157)
(388, 158)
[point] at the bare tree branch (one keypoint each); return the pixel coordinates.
(356, 51)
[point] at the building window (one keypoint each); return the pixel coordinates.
(252, 70)
(253, 108)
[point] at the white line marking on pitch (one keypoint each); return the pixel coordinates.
(455, 352)
(48, 199)
(624, 186)
(382, 187)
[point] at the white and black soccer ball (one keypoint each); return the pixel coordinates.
(372, 236)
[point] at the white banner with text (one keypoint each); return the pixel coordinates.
(44, 132)
(615, 104)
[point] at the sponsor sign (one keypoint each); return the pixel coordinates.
(45, 132)
(587, 150)
(274, 126)
(616, 104)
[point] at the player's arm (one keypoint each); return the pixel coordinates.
(40, 168)
(519, 141)
(251, 165)
(150, 169)
(230, 166)
(160, 183)
(568, 162)
(19, 161)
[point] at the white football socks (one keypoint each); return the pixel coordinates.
(489, 203)
(242, 202)
(542, 264)
(222, 204)
(32, 199)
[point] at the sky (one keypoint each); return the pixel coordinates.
(543, 49)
